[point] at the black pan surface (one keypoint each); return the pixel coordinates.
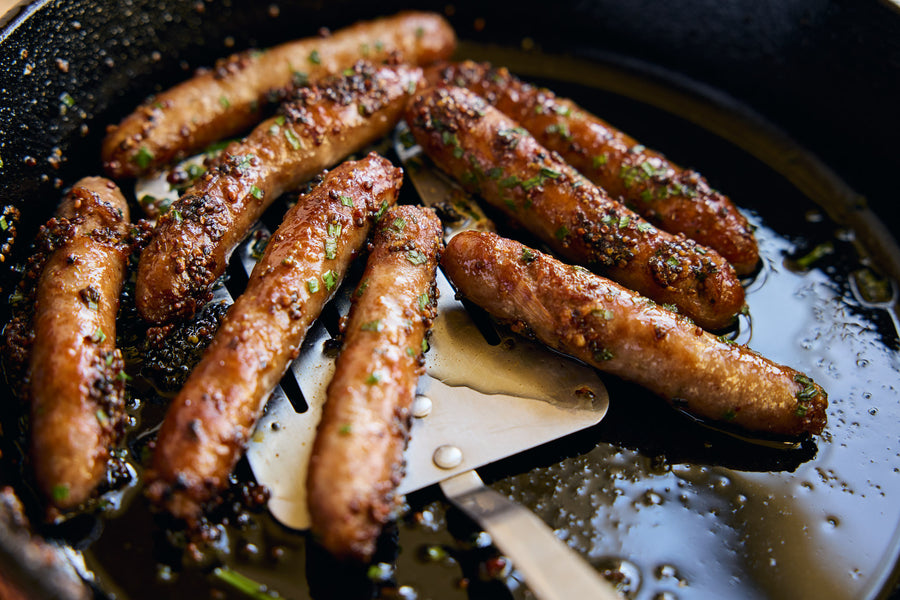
(671, 508)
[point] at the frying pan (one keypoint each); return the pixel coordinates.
(790, 106)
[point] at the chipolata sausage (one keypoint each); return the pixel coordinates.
(607, 326)
(76, 374)
(222, 102)
(674, 199)
(357, 458)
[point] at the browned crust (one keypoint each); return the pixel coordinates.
(208, 424)
(613, 329)
(193, 241)
(676, 200)
(492, 155)
(357, 459)
(76, 372)
(226, 100)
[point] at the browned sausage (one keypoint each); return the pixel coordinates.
(209, 422)
(492, 154)
(674, 199)
(193, 241)
(225, 101)
(616, 330)
(357, 458)
(76, 372)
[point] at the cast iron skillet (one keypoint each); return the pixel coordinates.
(751, 82)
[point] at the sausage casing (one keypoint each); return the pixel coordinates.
(193, 240)
(491, 154)
(357, 458)
(228, 99)
(206, 427)
(618, 331)
(76, 372)
(674, 199)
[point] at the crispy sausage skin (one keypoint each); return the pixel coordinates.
(209, 422)
(76, 372)
(618, 331)
(491, 154)
(228, 99)
(674, 199)
(192, 242)
(357, 458)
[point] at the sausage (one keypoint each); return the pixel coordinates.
(615, 330)
(357, 458)
(492, 155)
(230, 98)
(76, 372)
(209, 422)
(672, 198)
(192, 242)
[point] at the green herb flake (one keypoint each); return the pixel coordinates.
(312, 285)
(60, 492)
(420, 32)
(67, 99)
(295, 142)
(123, 376)
(3, 224)
(603, 355)
(315, 58)
(820, 251)
(561, 233)
(624, 220)
(330, 278)
(102, 417)
(373, 378)
(416, 257)
(600, 160)
(334, 229)
(362, 287)
(143, 158)
(243, 584)
(346, 200)
(528, 255)
(345, 429)
(98, 336)
(808, 391)
(224, 101)
(423, 301)
(256, 192)
(330, 248)
(673, 261)
(381, 210)
(644, 227)
(375, 326)
(603, 313)
(729, 415)
(425, 345)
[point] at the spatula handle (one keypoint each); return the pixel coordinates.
(552, 570)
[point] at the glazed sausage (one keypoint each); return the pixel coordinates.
(618, 331)
(225, 101)
(76, 372)
(357, 458)
(206, 427)
(491, 154)
(674, 199)
(194, 239)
